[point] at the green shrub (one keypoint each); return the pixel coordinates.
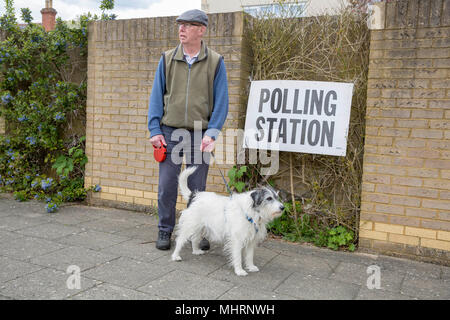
(41, 156)
(308, 229)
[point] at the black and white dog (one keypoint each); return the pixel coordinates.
(239, 221)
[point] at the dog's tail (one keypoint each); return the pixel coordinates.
(182, 180)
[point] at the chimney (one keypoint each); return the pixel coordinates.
(48, 16)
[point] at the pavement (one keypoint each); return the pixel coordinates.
(93, 253)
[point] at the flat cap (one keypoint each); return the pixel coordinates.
(194, 15)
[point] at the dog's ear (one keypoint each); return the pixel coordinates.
(257, 197)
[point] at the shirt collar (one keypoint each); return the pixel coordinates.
(179, 55)
(192, 59)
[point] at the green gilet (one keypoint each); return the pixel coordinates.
(189, 89)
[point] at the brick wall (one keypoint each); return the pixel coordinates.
(406, 181)
(123, 57)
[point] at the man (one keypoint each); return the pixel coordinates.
(190, 90)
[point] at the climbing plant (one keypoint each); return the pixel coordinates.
(323, 192)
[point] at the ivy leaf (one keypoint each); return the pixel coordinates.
(78, 153)
(60, 164)
(84, 161)
(239, 186)
(232, 174)
(70, 164)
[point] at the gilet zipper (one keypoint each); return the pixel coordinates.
(187, 97)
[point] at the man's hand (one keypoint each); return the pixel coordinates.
(207, 144)
(158, 141)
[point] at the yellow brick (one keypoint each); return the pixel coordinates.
(443, 235)
(134, 193)
(87, 181)
(143, 201)
(422, 233)
(120, 191)
(107, 196)
(398, 238)
(124, 199)
(181, 206)
(150, 195)
(376, 235)
(366, 225)
(383, 227)
(96, 195)
(436, 244)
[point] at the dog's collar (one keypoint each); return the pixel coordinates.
(252, 222)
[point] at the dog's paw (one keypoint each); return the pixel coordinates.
(176, 258)
(198, 252)
(253, 269)
(240, 272)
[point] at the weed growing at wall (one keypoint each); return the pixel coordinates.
(42, 101)
(325, 189)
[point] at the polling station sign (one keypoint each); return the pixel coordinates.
(298, 116)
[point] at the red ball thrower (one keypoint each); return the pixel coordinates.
(160, 153)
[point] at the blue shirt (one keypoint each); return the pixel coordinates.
(220, 107)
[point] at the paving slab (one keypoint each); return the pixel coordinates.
(83, 211)
(380, 294)
(46, 284)
(13, 223)
(11, 269)
(109, 225)
(242, 292)
(268, 278)
(26, 248)
(198, 264)
(8, 206)
(84, 258)
(445, 273)
(305, 286)
(427, 289)
(139, 217)
(71, 217)
(287, 248)
(92, 239)
(145, 232)
(410, 267)
(304, 263)
(127, 272)
(137, 249)
(7, 236)
(358, 274)
(184, 285)
(106, 291)
(50, 231)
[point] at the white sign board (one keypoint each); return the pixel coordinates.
(298, 116)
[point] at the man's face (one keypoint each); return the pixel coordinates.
(190, 32)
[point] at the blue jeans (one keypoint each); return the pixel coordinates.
(187, 143)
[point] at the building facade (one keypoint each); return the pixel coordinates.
(307, 7)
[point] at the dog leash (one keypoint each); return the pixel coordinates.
(223, 177)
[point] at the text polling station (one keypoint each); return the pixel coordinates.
(298, 116)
